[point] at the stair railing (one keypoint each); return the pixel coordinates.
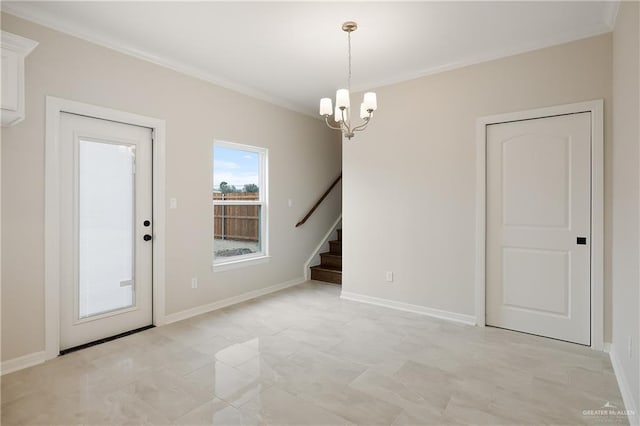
(315, 206)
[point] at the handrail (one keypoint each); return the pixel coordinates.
(313, 209)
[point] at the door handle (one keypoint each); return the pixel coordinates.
(147, 237)
(581, 241)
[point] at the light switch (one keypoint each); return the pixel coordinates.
(173, 203)
(290, 202)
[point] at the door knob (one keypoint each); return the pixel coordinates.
(147, 237)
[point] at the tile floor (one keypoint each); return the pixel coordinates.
(304, 356)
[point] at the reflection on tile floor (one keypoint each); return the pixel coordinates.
(305, 356)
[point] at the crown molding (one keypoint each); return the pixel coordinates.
(478, 59)
(17, 43)
(612, 13)
(27, 12)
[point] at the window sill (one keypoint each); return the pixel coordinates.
(240, 263)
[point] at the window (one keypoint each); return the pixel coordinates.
(239, 204)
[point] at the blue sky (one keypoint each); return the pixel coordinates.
(234, 166)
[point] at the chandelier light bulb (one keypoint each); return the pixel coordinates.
(363, 111)
(370, 101)
(342, 98)
(326, 108)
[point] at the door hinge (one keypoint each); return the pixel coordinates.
(153, 135)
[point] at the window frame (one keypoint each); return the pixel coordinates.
(233, 262)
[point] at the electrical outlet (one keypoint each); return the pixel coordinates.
(389, 276)
(630, 346)
(194, 282)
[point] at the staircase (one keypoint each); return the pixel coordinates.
(330, 268)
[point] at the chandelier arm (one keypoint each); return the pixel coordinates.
(346, 128)
(326, 120)
(360, 127)
(363, 125)
(347, 125)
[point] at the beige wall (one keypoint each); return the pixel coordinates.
(626, 214)
(304, 158)
(410, 179)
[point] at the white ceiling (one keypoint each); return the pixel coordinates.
(293, 53)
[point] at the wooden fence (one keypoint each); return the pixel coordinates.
(236, 222)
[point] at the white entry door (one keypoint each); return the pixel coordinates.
(538, 226)
(106, 229)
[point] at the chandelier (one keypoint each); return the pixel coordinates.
(342, 112)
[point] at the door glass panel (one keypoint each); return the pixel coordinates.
(106, 228)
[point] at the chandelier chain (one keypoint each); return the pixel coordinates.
(349, 81)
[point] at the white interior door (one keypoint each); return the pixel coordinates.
(538, 226)
(106, 249)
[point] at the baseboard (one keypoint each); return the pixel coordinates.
(29, 360)
(416, 309)
(316, 252)
(623, 384)
(36, 358)
(203, 309)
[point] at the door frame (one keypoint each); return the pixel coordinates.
(596, 108)
(54, 107)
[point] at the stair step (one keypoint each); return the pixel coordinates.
(326, 273)
(340, 234)
(335, 247)
(331, 259)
